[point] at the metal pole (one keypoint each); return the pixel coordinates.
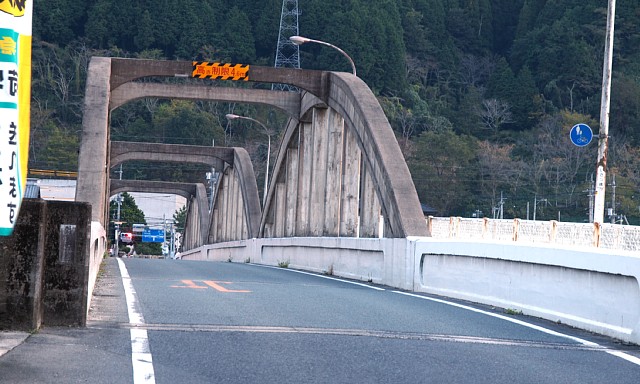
(603, 136)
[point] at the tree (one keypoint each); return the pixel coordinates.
(498, 171)
(494, 114)
(238, 42)
(129, 212)
(180, 217)
(444, 171)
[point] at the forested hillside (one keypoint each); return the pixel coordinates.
(481, 93)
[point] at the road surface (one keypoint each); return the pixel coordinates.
(162, 321)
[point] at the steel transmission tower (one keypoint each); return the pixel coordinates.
(287, 53)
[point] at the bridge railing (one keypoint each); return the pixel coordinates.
(607, 236)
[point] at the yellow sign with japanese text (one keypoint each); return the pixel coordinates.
(15, 104)
(207, 70)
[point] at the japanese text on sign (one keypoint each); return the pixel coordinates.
(206, 70)
(15, 87)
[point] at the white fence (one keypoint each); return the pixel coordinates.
(605, 236)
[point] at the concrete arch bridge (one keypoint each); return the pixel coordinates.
(339, 170)
(341, 201)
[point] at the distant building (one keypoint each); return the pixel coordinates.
(155, 206)
(51, 189)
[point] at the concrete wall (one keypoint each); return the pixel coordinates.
(45, 264)
(381, 261)
(21, 269)
(587, 288)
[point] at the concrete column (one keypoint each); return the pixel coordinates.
(369, 206)
(239, 208)
(305, 160)
(195, 223)
(319, 171)
(213, 231)
(93, 158)
(281, 206)
(350, 186)
(291, 191)
(219, 216)
(231, 208)
(333, 193)
(226, 180)
(245, 229)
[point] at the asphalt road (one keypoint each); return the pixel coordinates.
(203, 322)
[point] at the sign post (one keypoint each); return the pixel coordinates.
(15, 101)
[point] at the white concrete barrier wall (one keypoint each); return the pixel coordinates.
(592, 289)
(381, 261)
(98, 247)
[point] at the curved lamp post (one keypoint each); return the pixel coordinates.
(231, 116)
(299, 40)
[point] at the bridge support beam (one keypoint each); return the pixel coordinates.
(93, 176)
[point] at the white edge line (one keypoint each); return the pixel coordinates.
(141, 359)
(620, 354)
(321, 276)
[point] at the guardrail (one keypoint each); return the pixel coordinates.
(605, 236)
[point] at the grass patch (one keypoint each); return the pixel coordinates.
(510, 311)
(283, 264)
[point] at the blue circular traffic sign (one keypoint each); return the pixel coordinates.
(581, 135)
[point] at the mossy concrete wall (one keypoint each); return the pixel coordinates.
(44, 266)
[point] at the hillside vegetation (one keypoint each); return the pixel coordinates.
(481, 93)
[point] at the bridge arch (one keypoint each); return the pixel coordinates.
(337, 117)
(235, 166)
(342, 158)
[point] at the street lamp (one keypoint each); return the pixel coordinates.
(231, 116)
(299, 40)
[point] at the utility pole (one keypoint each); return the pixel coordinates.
(603, 136)
(172, 249)
(613, 200)
(535, 205)
(287, 52)
(591, 192)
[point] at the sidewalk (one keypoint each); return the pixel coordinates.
(10, 340)
(98, 354)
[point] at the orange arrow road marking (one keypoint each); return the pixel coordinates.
(189, 284)
(220, 288)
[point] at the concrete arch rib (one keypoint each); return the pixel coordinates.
(288, 102)
(353, 99)
(122, 151)
(185, 190)
(385, 169)
(196, 227)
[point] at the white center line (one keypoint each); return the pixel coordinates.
(140, 351)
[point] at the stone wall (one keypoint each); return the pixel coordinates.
(44, 266)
